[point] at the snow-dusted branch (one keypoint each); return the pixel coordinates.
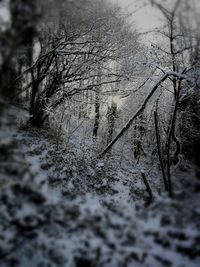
(143, 106)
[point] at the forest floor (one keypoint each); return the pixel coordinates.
(66, 208)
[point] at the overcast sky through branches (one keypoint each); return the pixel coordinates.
(144, 15)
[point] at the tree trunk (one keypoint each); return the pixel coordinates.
(112, 112)
(97, 114)
(158, 142)
(97, 104)
(171, 131)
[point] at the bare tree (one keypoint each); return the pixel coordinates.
(69, 56)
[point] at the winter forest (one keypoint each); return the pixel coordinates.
(99, 134)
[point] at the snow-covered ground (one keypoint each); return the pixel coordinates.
(67, 208)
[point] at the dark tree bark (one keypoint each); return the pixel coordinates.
(159, 148)
(18, 37)
(97, 104)
(97, 114)
(169, 139)
(112, 112)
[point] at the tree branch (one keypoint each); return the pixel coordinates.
(141, 109)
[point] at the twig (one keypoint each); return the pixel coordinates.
(148, 188)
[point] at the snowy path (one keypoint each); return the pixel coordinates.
(65, 226)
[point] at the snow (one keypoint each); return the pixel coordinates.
(84, 210)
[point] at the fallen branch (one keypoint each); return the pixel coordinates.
(141, 109)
